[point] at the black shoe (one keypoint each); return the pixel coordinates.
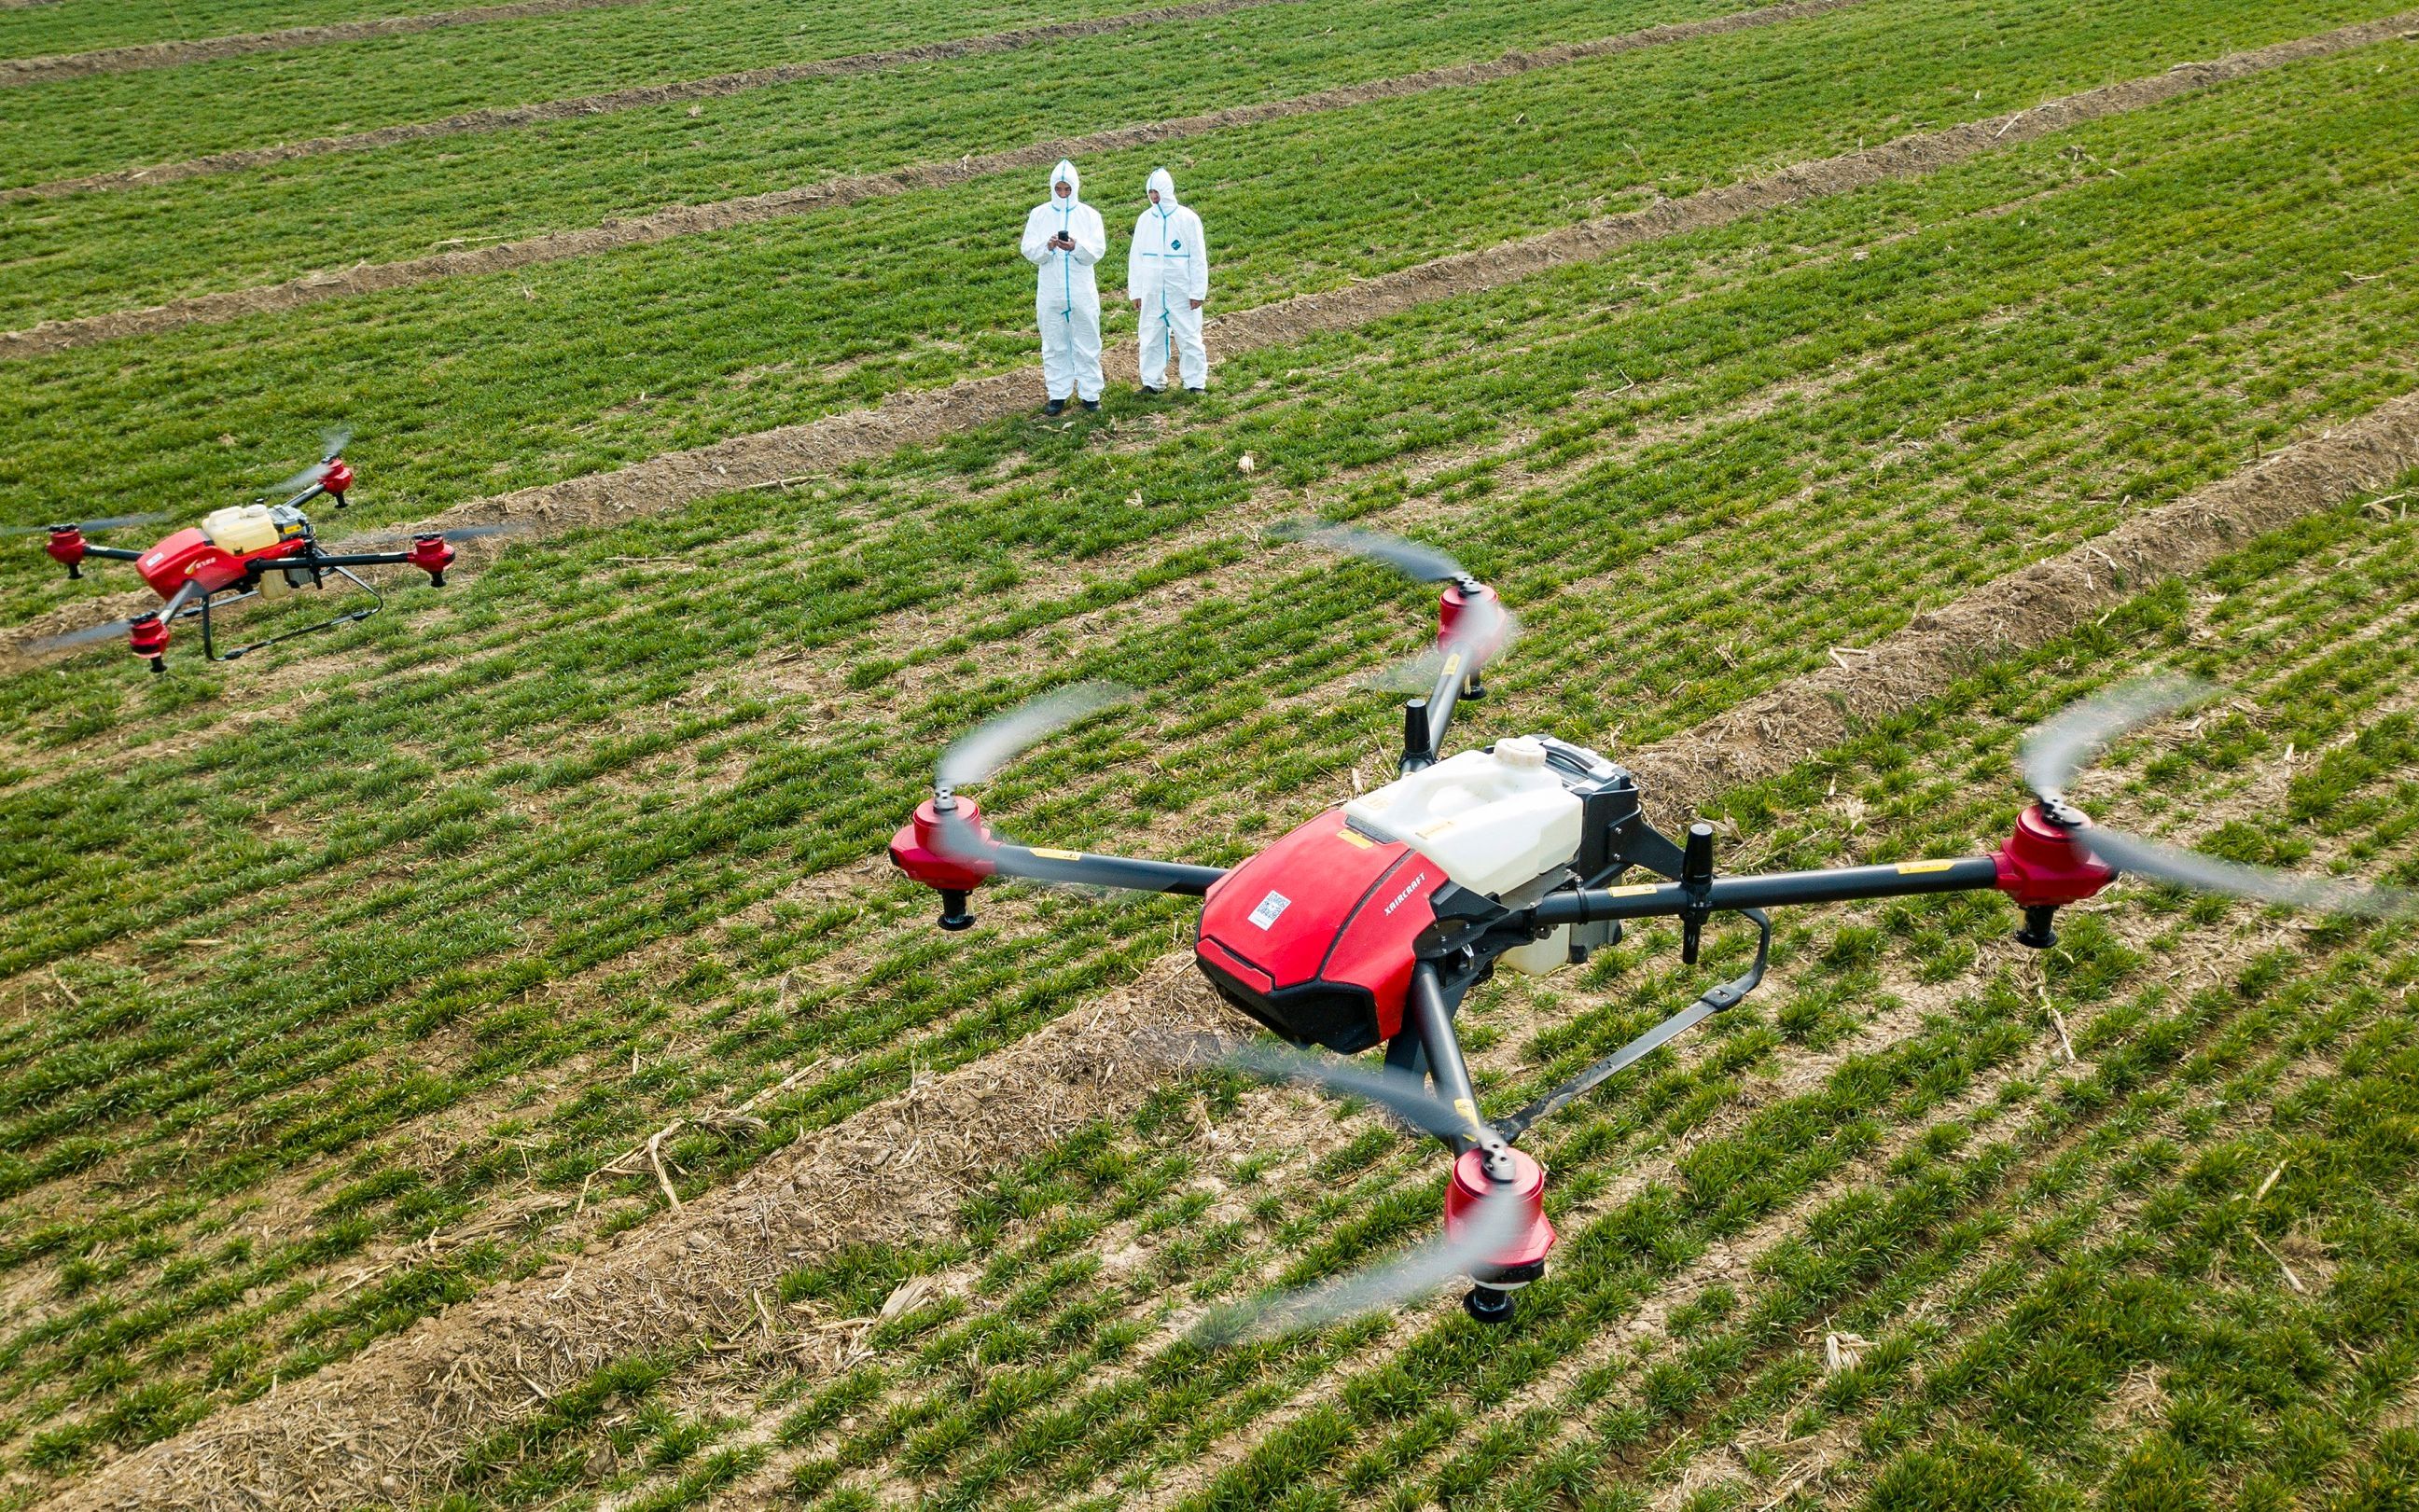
(1093, 406)
(1153, 392)
(1196, 391)
(1056, 407)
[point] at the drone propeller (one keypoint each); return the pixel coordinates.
(991, 745)
(2056, 751)
(89, 635)
(111, 523)
(1497, 1220)
(332, 445)
(1413, 560)
(114, 629)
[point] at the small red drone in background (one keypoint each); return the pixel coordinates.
(243, 552)
(1367, 925)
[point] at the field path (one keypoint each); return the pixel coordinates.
(384, 1425)
(172, 54)
(505, 117)
(832, 193)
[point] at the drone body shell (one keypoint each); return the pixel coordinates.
(190, 556)
(1313, 937)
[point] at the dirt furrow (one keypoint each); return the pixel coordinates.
(721, 215)
(172, 54)
(2041, 602)
(716, 87)
(374, 1427)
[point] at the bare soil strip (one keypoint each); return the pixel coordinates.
(505, 117)
(831, 194)
(2037, 604)
(208, 49)
(385, 1425)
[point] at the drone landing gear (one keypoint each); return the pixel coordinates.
(210, 648)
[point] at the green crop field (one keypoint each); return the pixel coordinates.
(426, 1048)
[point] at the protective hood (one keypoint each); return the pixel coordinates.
(1165, 182)
(1065, 172)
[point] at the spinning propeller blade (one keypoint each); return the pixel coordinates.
(1405, 1096)
(381, 540)
(1497, 1221)
(991, 745)
(89, 635)
(1424, 563)
(2056, 751)
(110, 523)
(332, 441)
(93, 634)
(1483, 628)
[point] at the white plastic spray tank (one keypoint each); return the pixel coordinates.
(240, 528)
(1492, 819)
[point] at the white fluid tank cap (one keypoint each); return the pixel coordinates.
(1520, 751)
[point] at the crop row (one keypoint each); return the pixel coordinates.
(404, 200)
(44, 29)
(115, 120)
(993, 1399)
(676, 858)
(658, 348)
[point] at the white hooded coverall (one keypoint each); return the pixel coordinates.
(1065, 300)
(1166, 270)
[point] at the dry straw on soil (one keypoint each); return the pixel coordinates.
(720, 215)
(384, 1425)
(210, 49)
(505, 117)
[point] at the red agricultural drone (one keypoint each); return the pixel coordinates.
(259, 550)
(1368, 925)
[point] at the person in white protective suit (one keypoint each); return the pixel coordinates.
(1167, 276)
(1063, 239)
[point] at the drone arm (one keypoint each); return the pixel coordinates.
(1423, 732)
(1425, 1008)
(349, 559)
(112, 553)
(1085, 870)
(1779, 889)
(430, 554)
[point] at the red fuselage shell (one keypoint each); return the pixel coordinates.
(1313, 937)
(189, 556)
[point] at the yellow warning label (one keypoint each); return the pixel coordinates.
(1354, 837)
(1058, 855)
(1639, 889)
(1916, 869)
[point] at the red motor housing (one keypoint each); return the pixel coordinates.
(1473, 612)
(335, 478)
(432, 554)
(1313, 937)
(2042, 866)
(920, 850)
(1523, 1259)
(147, 636)
(67, 548)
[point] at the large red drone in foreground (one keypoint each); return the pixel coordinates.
(244, 551)
(1368, 924)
